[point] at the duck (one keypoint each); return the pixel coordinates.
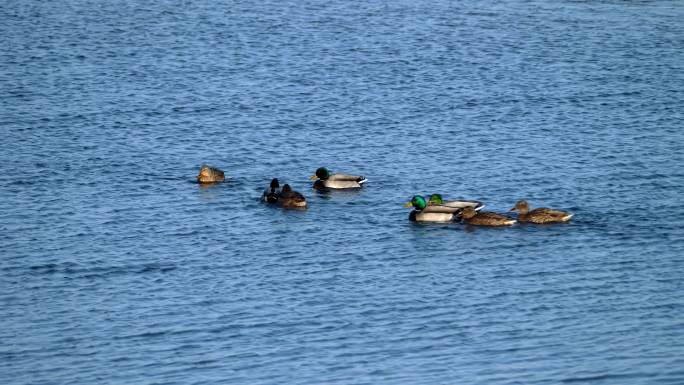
(210, 174)
(290, 199)
(485, 218)
(539, 215)
(436, 199)
(326, 180)
(430, 213)
(272, 192)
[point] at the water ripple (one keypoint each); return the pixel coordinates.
(117, 267)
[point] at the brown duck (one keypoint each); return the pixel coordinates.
(290, 199)
(485, 218)
(539, 215)
(210, 174)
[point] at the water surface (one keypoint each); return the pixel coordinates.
(115, 268)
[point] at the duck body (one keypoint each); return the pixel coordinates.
(433, 216)
(485, 218)
(210, 174)
(540, 215)
(436, 200)
(460, 204)
(545, 215)
(326, 180)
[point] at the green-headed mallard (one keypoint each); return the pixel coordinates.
(431, 213)
(324, 179)
(539, 215)
(484, 218)
(436, 199)
(210, 174)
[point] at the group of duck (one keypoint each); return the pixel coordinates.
(434, 209)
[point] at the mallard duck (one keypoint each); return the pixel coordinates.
(324, 179)
(539, 215)
(436, 199)
(434, 213)
(272, 192)
(210, 174)
(291, 199)
(472, 217)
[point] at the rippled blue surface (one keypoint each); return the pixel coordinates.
(116, 268)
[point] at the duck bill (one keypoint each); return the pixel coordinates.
(513, 209)
(312, 177)
(408, 204)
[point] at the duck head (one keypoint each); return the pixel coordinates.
(275, 184)
(322, 173)
(205, 172)
(521, 207)
(435, 199)
(418, 202)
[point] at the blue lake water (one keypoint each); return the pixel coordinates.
(115, 268)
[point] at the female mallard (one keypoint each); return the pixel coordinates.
(291, 199)
(209, 174)
(472, 217)
(436, 199)
(539, 215)
(430, 213)
(335, 181)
